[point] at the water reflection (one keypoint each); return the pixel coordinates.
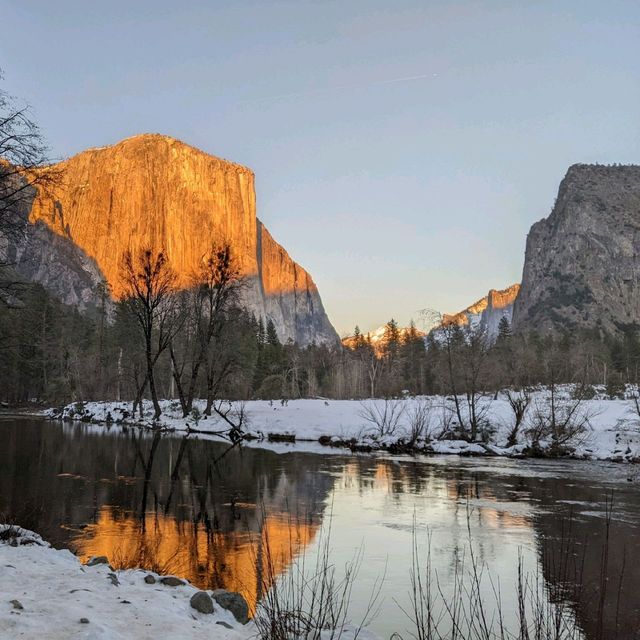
(209, 558)
(192, 508)
(179, 506)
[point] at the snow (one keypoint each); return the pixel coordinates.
(613, 431)
(46, 593)
(56, 591)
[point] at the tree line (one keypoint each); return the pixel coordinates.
(164, 341)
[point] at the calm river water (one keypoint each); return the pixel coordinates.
(193, 508)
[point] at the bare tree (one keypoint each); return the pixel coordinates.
(23, 154)
(449, 336)
(216, 287)
(560, 417)
(149, 284)
(370, 360)
(474, 349)
(562, 421)
(383, 415)
(519, 402)
(419, 420)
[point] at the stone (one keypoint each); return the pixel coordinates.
(224, 624)
(187, 199)
(96, 560)
(233, 602)
(202, 602)
(581, 267)
(172, 581)
(114, 579)
(17, 604)
(84, 620)
(149, 579)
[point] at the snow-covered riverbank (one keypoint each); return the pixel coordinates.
(48, 593)
(610, 427)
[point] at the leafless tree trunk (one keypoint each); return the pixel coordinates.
(23, 158)
(149, 283)
(519, 403)
(216, 287)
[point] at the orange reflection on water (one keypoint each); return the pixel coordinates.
(233, 560)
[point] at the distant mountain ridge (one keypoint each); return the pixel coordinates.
(153, 190)
(483, 315)
(378, 337)
(486, 313)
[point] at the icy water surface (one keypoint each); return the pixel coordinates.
(197, 509)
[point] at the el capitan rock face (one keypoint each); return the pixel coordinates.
(153, 190)
(582, 263)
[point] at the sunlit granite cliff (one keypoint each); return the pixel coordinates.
(582, 267)
(487, 312)
(153, 190)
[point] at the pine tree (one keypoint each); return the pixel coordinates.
(504, 329)
(272, 334)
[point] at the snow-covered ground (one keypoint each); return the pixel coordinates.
(48, 594)
(611, 432)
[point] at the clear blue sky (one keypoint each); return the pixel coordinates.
(401, 149)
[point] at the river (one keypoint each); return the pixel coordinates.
(198, 509)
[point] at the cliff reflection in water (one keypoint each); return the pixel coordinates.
(209, 558)
(182, 506)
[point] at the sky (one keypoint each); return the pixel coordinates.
(401, 149)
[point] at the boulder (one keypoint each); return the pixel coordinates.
(172, 581)
(202, 602)
(234, 602)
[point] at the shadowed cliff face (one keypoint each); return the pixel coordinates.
(581, 264)
(152, 190)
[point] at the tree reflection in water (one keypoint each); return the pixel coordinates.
(171, 505)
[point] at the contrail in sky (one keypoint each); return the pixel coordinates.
(310, 92)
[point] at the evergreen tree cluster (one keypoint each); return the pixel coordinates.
(51, 353)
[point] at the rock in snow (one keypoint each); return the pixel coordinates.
(233, 602)
(38, 603)
(202, 602)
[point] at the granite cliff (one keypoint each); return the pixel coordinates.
(582, 263)
(486, 313)
(153, 190)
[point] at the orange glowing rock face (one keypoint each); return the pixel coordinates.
(495, 299)
(233, 560)
(155, 191)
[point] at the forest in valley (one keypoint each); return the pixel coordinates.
(164, 342)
